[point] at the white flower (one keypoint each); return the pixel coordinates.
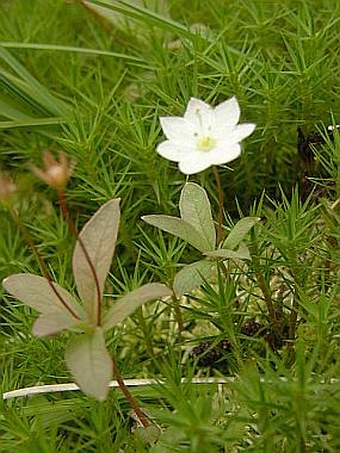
(205, 136)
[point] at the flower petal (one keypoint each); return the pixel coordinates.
(194, 163)
(200, 115)
(177, 128)
(205, 136)
(170, 150)
(224, 152)
(227, 113)
(242, 131)
(195, 105)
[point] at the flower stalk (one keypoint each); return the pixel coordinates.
(128, 395)
(220, 204)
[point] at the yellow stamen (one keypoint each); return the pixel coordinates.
(206, 143)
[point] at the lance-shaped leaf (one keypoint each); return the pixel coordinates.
(192, 277)
(178, 227)
(195, 209)
(90, 364)
(125, 306)
(242, 253)
(98, 237)
(239, 231)
(36, 292)
(54, 322)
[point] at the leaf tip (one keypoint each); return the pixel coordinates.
(4, 282)
(8, 281)
(146, 218)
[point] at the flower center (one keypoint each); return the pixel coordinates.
(206, 143)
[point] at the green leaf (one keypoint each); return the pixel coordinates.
(72, 49)
(241, 253)
(99, 237)
(89, 362)
(239, 231)
(125, 306)
(192, 277)
(145, 15)
(179, 228)
(36, 292)
(30, 92)
(30, 122)
(195, 209)
(148, 434)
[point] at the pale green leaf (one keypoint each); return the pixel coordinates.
(177, 227)
(90, 364)
(53, 323)
(99, 237)
(240, 254)
(195, 209)
(36, 292)
(125, 306)
(239, 231)
(148, 434)
(192, 277)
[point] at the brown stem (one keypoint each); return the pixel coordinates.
(99, 19)
(303, 447)
(220, 204)
(223, 267)
(128, 395)
(266, 295)
(293, 319)
(178, 316)
(41, 262)
(74, 231)
(263, 285)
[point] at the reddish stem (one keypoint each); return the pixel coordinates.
(128, 395)
(178, 316)
(220, 205)
(41, 262)
(74, 231)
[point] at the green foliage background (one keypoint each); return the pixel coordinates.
(95, 86)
